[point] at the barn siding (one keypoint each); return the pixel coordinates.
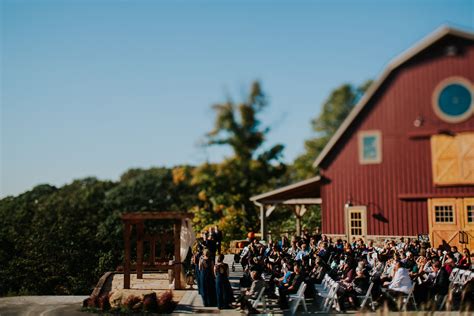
(406, 165)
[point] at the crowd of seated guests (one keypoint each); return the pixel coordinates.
(393, 267)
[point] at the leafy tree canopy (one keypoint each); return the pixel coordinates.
(334, 110)
(227, 187)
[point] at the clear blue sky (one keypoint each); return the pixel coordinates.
(93, 88)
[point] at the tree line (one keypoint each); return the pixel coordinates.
(61, 240)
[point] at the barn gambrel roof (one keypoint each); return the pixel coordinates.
(396, 63)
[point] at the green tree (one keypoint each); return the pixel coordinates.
(50, 233)
(227, 187)
(334, 110)
(61, 240)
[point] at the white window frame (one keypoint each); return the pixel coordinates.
(378, 144)
(363, 211)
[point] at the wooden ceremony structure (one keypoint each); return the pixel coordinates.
(138, 219)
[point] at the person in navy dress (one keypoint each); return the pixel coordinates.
(224, 292)
(207, 282)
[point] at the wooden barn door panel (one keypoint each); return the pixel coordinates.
(468, 221)
(445, 161)
(452, 159)
(466, 155)
(445, 221)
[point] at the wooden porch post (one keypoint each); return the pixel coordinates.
(126, 264)
(263, 222)
(162, 246)
(298, 220)
(140, 227)
(153, 249)
(177, 255)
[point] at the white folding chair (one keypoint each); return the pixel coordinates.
(261, 299)
(465, 277)
(367, 296)
(471, 276)
(324, 284)
(330, 297)
(453, 274)
(296, 299)
(406, 299)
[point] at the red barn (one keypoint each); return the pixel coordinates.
(402, 163)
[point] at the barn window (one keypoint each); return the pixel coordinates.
(444, 214)
(452, 100)
(356, 223)
(470, 213)
(370, 147)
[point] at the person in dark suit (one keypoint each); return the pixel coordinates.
(218, 238)
(440, 285)
(210, 244)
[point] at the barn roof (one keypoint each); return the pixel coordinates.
(403, 58)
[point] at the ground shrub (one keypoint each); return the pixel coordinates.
(92, 301)
(103, 302)
(150, 302)
(131, 302)
(165, 302)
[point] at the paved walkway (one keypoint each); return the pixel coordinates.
(42, 305)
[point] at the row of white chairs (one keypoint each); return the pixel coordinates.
(298, 298)
(295, 300)
(260, 300)
(327, 290)
(457, 279)
(460, 277)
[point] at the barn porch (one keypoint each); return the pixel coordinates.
(298, 195)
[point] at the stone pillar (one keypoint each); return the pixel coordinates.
(126, 263)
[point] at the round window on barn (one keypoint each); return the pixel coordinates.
(453, 100)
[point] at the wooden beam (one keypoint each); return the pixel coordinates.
(156, 215)
(306, 201)
(153, 250)
(263, 222)
(261, 197)
(270, 210)
(140, 228)
(427, 133)
(303, 210)
(162, 247)
(177, 255)
(298, 220)
(126, 263)
(424, 196)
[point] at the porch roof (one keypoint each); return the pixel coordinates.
(304, 192)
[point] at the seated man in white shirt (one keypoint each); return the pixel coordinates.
(401, 283)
